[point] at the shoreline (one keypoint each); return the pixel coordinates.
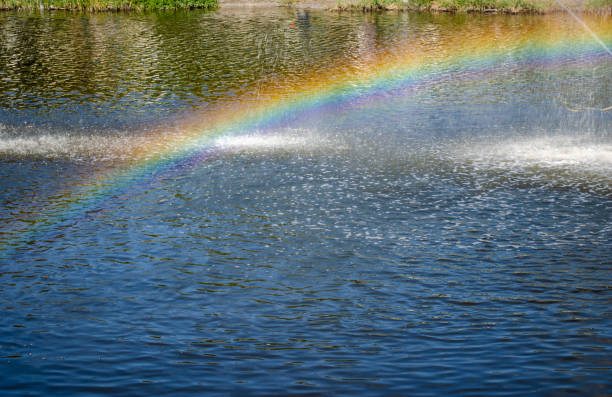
(602, 7)
(105, 5)
(457, 6)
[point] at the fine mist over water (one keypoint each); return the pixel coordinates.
(290, 202)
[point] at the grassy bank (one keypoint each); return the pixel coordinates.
(504, 6)
(105, 5)
(513, 6)
(604, 6)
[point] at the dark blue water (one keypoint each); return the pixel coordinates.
(456, 241)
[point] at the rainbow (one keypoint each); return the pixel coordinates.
(405, 69)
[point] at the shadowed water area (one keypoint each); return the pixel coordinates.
(451, 233)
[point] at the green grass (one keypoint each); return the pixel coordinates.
(106, 5)
(523, 6)
(501, 5)
(600, 5)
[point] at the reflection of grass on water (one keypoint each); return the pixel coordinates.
(104, 5)
(510, 6)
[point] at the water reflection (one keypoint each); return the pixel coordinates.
(148, 66)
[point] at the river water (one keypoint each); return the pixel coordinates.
(451, 234)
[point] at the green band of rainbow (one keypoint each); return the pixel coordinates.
(403, 70)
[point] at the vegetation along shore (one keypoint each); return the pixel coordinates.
(486, 6)
(481, 6)
(105, 5)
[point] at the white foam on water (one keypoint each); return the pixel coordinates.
(554, 161)
(288, 140)
(543, 152)
(123, 146)
(70, 146)
(260, 141)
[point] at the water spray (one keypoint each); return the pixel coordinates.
(584, 25)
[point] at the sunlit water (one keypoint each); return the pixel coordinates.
(456, 239)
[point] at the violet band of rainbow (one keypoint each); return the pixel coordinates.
(402, 71)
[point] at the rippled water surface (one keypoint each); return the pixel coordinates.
(449, 234)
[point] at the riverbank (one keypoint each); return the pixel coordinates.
(478, 6)
(105, 5)
(483, 6)
(473, 6)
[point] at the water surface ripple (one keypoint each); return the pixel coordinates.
(455, 239)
